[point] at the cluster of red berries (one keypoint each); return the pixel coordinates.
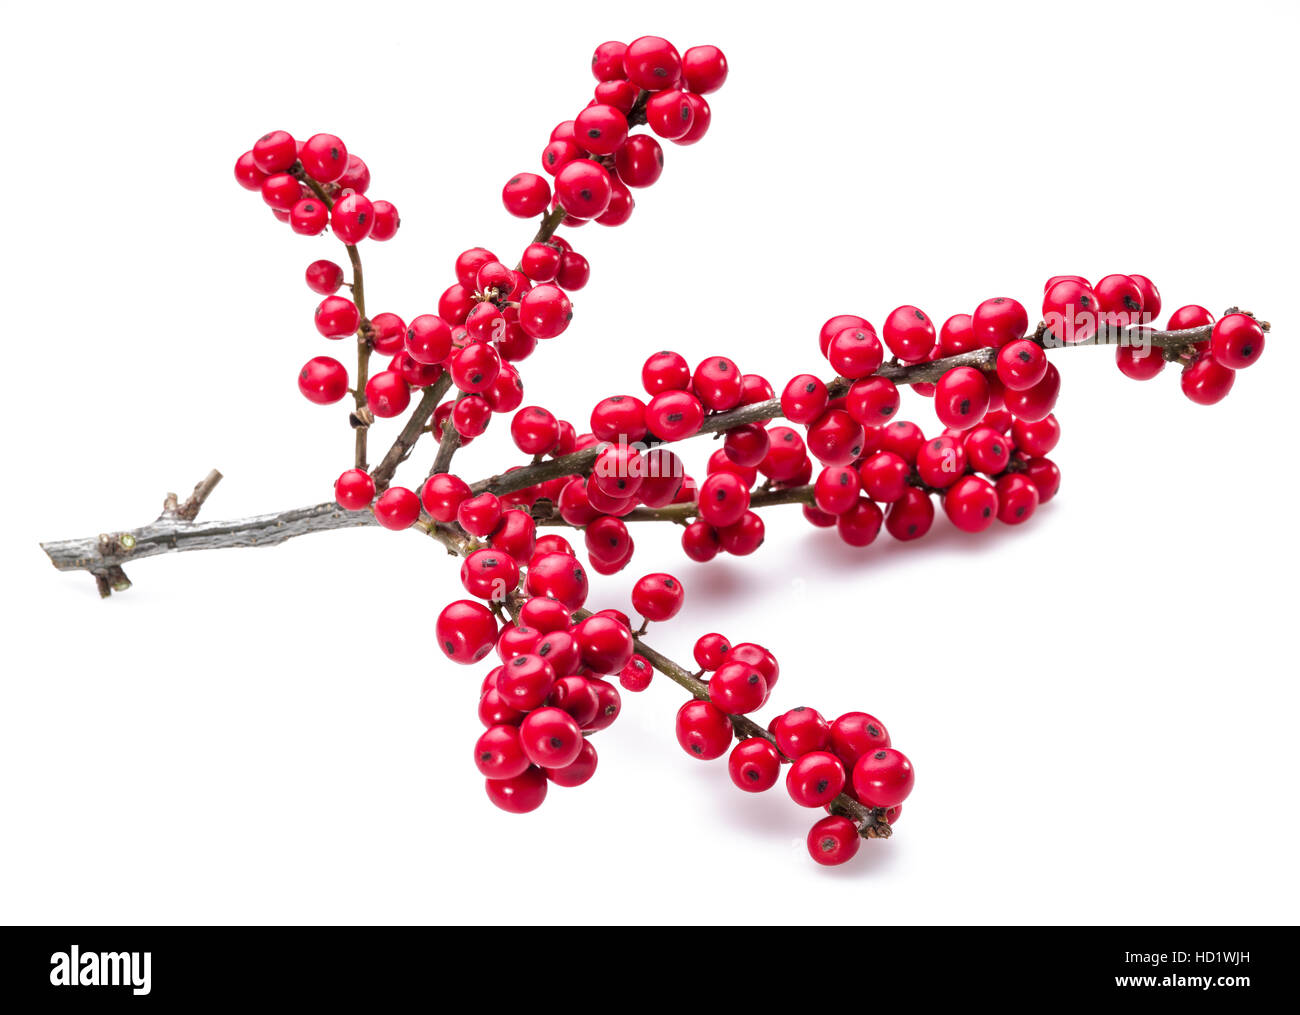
(595, 159)
(550, 691)
(851, 756)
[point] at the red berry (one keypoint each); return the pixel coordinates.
(723, 499)
(801, 731)
(1045, 476)
(479, 515)
(999, 321)
(442, 496)
(540, 262)
(743, 537)
(837, 324)
(1070, 310)
(702, 730)
(711, 651)
(835, 438)
(872, 401)
(281, 192)
(324, 157)
(619, 418)
(856, 733)
(1190, 316)
(574, 271)
(356, 177)
(746, 445)
(388, 394)
(323, 380)
(911, 515)
(717, 382)
(275, 152)
(466, 631)
(1139, 362)
(665, 371)
(1206, 382)
(1017, 499)
(534, 430)
(247, 173)
(354, 490)
(704, 68)
(337, 317)
(669, 114)
(674, 415)
(1120, 300)
(860, 525)
(971, 504)
(455, 304)
(526, 195)
(909, 333)
(519, 795)
(754, 765)
(1150, 297)
(640, 162)
(836, 489)
(607, 61)
(583, 188)
(386, 221)
(475, 367)
(882, 778)
(737, 688)
(525, 681)
(309, 217)
(544, 311)
(957, 336)
(884, 476)
(1237, 341)
(635, 676)
(324, 277)
(577, 771)
(428, 339)
(600, 129)
(1037, 438)
(605, 644)
(1021, 364)
(352, 218)
(489, 574)
(833, 840)
(785, 454)
(941, 461)
(815, 779)
(961, 397)
(987, 449)
(855, 352)
(658, 597)
(397, 508)
(558, 576)
(499, 754)
(550, 738)
(757, 657)
(652, 63)
(1035, 403)
(804, 399)
(700, 541)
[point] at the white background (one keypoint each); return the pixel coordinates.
(1100, 706)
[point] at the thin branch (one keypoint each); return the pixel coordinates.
(415, 426)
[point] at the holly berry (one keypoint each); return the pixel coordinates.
(711, 651)
(550, 738)
(466, 631)
(804, 399)
(275, 152)
(499, 753)
(961, 397)
(703, 730)
(388, 394)
(324, 157)
(1021, 364)
(324, 277)
(801, 731)
(1206, 381)
(577, 771)
(737, 688)
(337, 317)
(559, 576)
(1237, 341)
(534, 430)
(999, 321)
(704, 68)
(544, 311)
(354, 490)
(717, 383)
(658, 597)
(882, 778)
(856, 733)
(754, 765)
(323, 380)
(518, 795)
(652, 63)
(855, 353)
(640, 162)
(833, 840)
(723, 499)
(489, 574)
(583, 188)
(815, 779)
(352, 218)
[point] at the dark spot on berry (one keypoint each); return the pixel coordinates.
(1132, 304)
(669, 583)
(987, 511)
(556, 742)
(964, 407)
(826, 845)
(997, 449)
(810, 387)
(1024, 356)
(1020, 511)
(585, 193)
(361, 218)
(451, 647)
(550, 158)
(844, 478)
(880, 755)
(753, 679)
(697, 748)
(593, 132)
(873, 729)
(751, 775)
(674, 417)
(661, 72)
(887, 410)
(513, 179)
(919, 316)
(485, 756)
(821, 785)
(1246, 350)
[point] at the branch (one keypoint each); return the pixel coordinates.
(580, 462)
(415, 426)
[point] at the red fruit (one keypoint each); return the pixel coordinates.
(836, 438)
(309, 217)
(1021, 364)
(743, 537)
(607, 61)
(674, 415)
(1190, 316)
(737, 688)
(652, 63)
(757, 657)
(754, 765)
(911, 515)
(275, 152)
(516, 534)
(746, 445)
(611, 703)
(337, 317)
(354, 490)
(1037, 438)
(711, 651)
(670, 114)
(353, 218)
(474, 368)
(499, 754)
(534, 430)
(397, 508)
(1206, 382)
(525, 681)
(987, 449)
(971, 504)
(540, 262)
(1045, 476)
(605, 644)
(1139, 362)
(544, 311)
(957, 336)
(640, 162)
(558, 576)
(386, 221)
(702, 730)
(560, 650)
(1150, 297)
(324, 157)
(489, 574)
(804, 399)
(323, 380)
(665, 371)
(833, 840)
(860, 525)
(801, 731)
(700, 541)
(550, 738)
(855, 352)
(1017, 499)
(468, 263)
(466, 631)
(583, 188)
(387, 334)
(883, 778)
(607, 540)
(1070, 310)
(717, 382)
(356, 177)
(1237, 341)
(247, 173)
(856, 733)
(909, 333)
(324, 277)
(785, 454)
(815, 779)
(455, 304)
(388, 394)
(428, 339)
(658, 597)
(902, 438)
(442, 496)
(941, 461)
(836, 489)
(574, 272)
(281, 192)
(884, 476)
(636, 675)
(1035, 403)
(999, 321)
(545, 615)
(519, 795)
(526, 195)
(704, 68)
(1120, 300)
(723, 499)
(872, 401)
(578, 771)
(480, 515)
(961, 398)
(619, 418)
